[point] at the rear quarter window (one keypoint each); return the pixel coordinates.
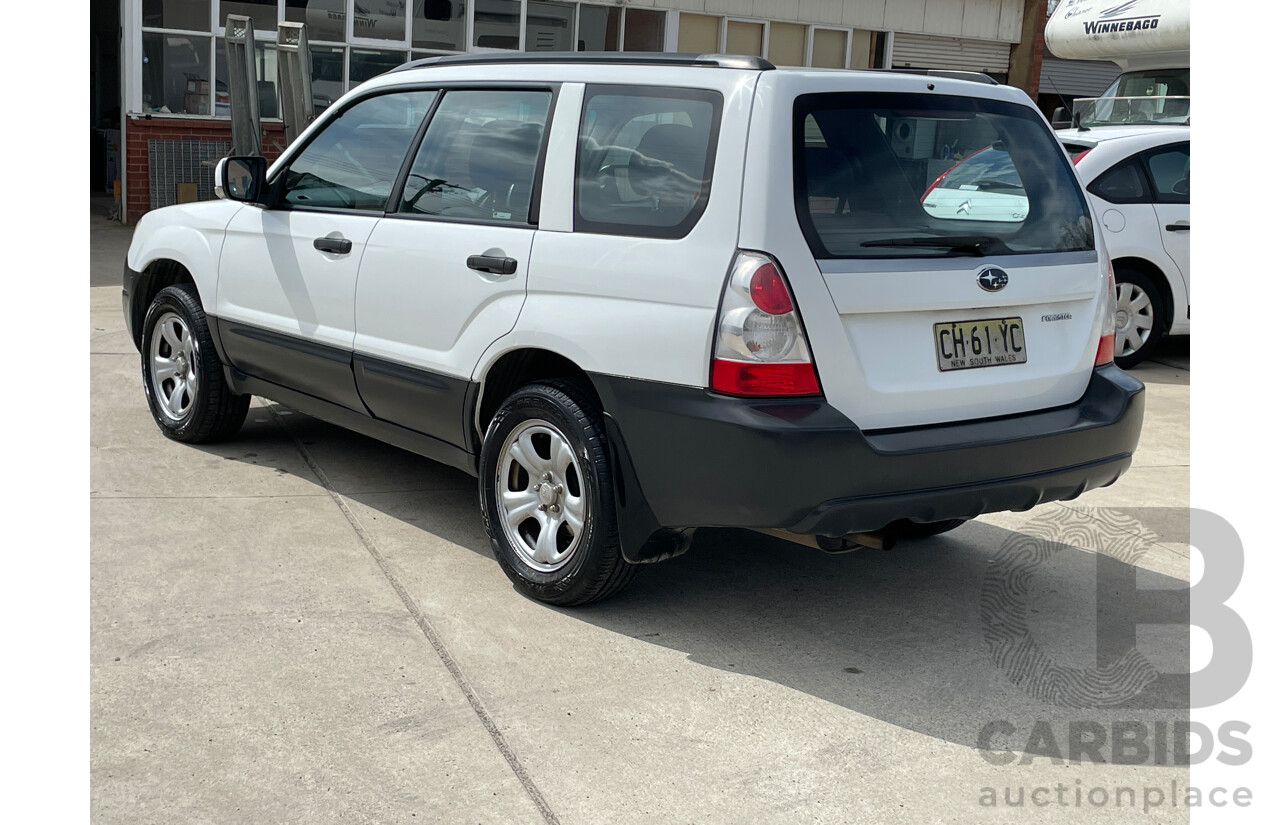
(645, 156)
(1122, 183)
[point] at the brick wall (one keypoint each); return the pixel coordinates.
(1026, 58)
(141, 129)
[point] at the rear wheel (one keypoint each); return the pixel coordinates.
(1141, 317)
(181, 373)
(547, 495)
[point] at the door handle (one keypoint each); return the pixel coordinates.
(338, 246)
(492, 264)
(1178, 227)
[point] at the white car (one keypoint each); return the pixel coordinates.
(640, 294)
(1139, 180)
(984, 186)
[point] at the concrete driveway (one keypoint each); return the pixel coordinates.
(305, 625)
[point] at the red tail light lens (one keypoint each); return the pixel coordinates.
(1107, 343)
(744, 378)
(769, 291)
(1077, 157)
(1106, 350)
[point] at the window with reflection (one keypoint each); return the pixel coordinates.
(497, 24)
(645, 156)
(262, 12)
(353, 162)
(598, 28)
(326, 76)
(175, 74)
(325, 19)
(548, 27)
(268, 75)
(192, 15)
(382, 20)
(440, 24)
(644, 31)
(369, 63)
(479, 157)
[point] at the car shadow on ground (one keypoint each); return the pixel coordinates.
(1169, 364)
(942, 636)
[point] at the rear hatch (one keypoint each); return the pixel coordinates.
(958, 251)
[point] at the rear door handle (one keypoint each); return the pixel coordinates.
(492, 264)
(1178, 227)
(338, 246)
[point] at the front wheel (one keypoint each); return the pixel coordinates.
(181, 373)
(547, 495)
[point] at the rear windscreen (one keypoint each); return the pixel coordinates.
(887, 175)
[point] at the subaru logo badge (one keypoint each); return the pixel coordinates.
(992, 279)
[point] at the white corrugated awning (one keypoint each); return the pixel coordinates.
(1077, 78)
(918, 51)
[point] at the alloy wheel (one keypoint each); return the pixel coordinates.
(541, 495)
(175, 378)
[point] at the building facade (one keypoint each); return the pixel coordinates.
(171, 115)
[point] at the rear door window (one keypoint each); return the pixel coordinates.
(479, 158)
(885, 175)
(645, 156)
(1170, 170)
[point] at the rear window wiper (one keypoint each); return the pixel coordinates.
(965, 244)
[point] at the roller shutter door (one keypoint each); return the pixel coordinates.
(1076, 78)
(917, 51)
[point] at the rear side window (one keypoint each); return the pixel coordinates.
(1122, 183)
(645, 156)
(887, 175)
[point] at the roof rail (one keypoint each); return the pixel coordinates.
(723, 61)
(973, 77)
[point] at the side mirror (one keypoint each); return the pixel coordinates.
(1061, 118)
(240, 178)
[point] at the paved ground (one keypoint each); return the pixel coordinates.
(305, 625)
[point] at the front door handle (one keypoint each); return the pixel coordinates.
(1178, 227)
(338, 246)
(492, 264)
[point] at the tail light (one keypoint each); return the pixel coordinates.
(1078, 156)
(760, 347)
(1107, 343)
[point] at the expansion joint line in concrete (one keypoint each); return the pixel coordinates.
(425, 626)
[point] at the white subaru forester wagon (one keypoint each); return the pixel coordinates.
(641, 294)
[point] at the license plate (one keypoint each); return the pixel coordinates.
(989, 342)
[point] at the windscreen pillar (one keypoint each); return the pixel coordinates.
(242, 86)
(294, 65)
(1027, 55)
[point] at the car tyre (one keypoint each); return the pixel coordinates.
(182, 374)
(546, 491)
(1141, 317)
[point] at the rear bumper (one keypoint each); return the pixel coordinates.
(697, 459)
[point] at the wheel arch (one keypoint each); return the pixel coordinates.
(159, 273)
(512, 370)
(642, 538)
